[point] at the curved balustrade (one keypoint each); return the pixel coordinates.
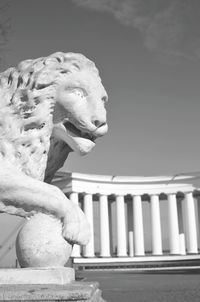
(120, 214)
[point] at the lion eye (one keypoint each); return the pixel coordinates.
(78, 91)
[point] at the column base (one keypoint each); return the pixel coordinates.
(122, 256)
(174, 254)
(74, 291)
(192, 253)
(88, 256)
(105, 256)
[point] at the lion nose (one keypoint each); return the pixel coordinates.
(99, 120)
(98, 123)
(101, 127)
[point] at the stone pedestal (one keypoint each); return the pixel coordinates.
(74, 291)
(37, 276)
(48, 284)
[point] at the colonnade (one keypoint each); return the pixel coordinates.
(183, 224)
(119, 205)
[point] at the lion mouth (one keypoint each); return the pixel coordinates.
(79, 141)
(73, 129)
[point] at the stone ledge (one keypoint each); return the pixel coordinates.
(57, 275)
(75, 291)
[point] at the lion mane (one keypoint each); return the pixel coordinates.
(27, 99)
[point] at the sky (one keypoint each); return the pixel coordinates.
(148, 56)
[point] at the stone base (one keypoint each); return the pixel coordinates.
(57, 275)
(74, 291)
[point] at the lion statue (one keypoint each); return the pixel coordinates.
(49, 107)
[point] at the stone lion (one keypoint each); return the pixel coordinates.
(48, 107)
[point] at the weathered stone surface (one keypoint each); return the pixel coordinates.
(33, 276)
(40, 243)
(75, 291)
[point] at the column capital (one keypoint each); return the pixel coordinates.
(103, 194)
(189, 192)
(153, 194)
(86, 193)
(120, 195)
(171, 194)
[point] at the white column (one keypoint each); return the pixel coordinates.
(104, 226)
(191, 229)
(121, 227)
(138, 229)
(156, 226)
(198, 215)
(88, 210)
(76, 252)
(181, 228)
(173, 225)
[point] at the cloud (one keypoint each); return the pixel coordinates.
(168, 27)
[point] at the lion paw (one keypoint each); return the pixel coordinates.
(77, 230)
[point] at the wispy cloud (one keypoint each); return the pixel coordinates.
(168, 27)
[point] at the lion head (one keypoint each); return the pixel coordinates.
(58, 99)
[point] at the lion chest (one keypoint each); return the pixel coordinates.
(33, 157)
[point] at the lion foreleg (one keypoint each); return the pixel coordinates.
(24, 196)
